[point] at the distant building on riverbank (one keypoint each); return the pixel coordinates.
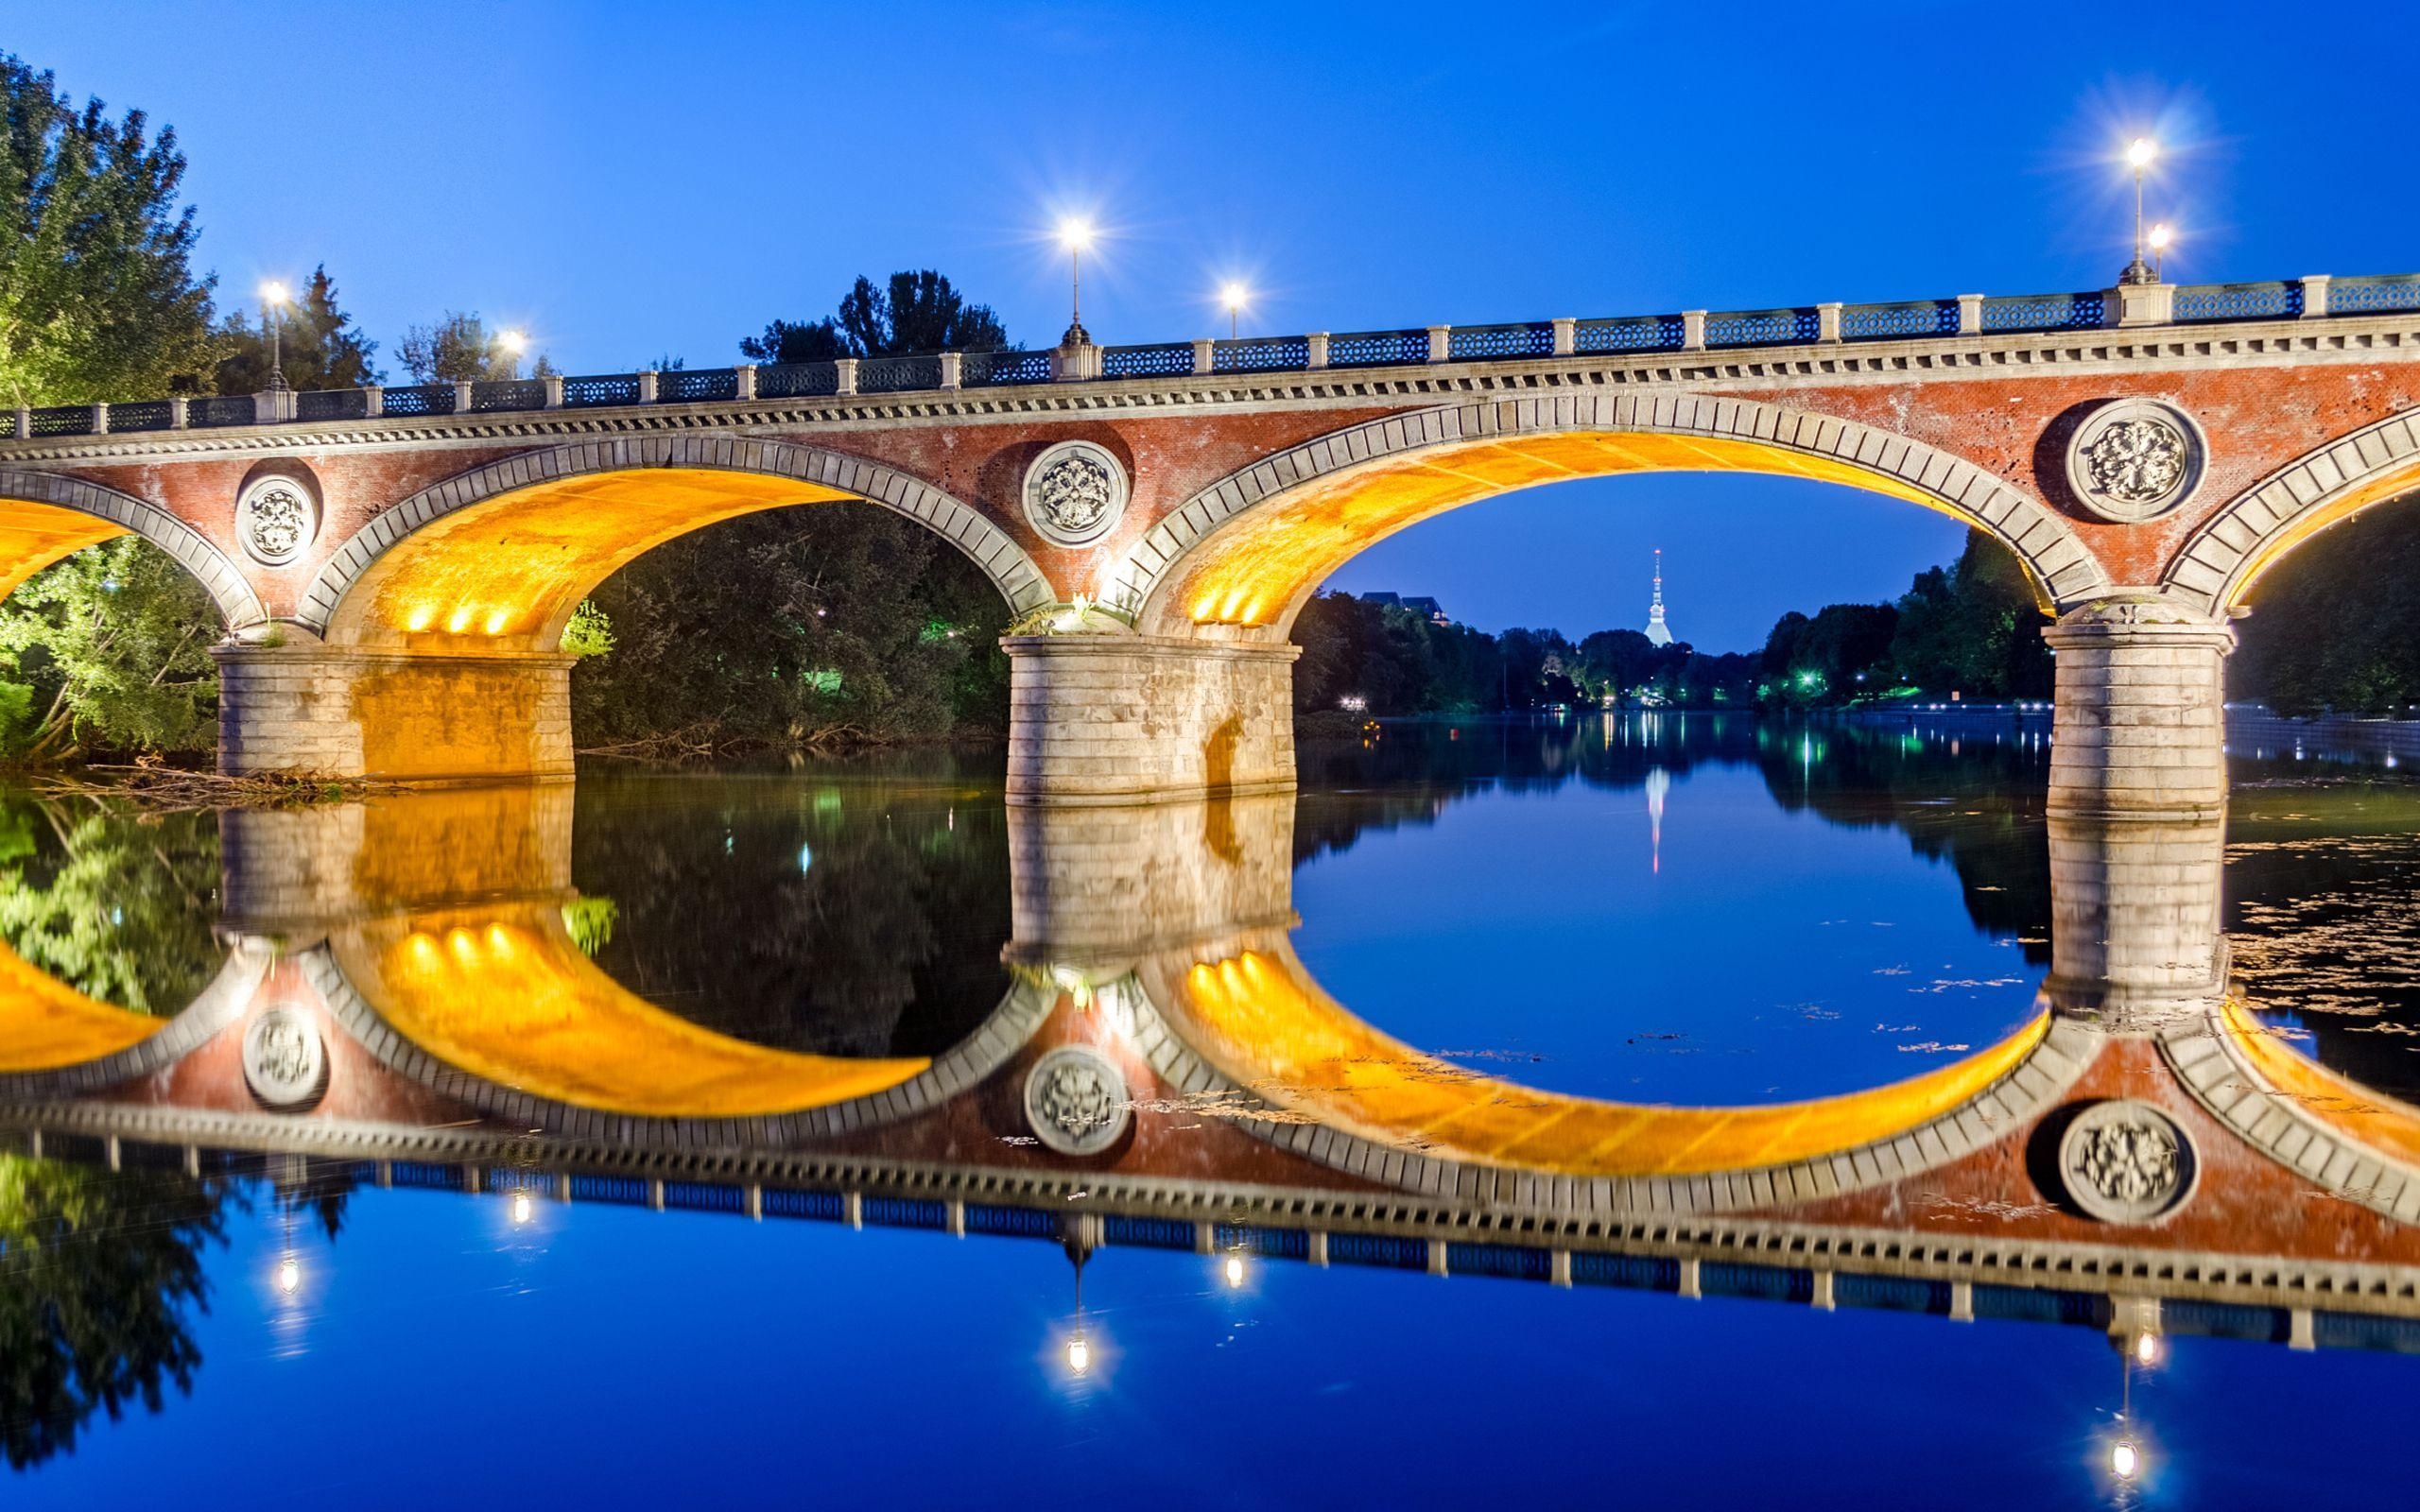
(1418, 604)
(1658, 633)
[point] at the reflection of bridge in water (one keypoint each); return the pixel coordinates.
(404, 1001)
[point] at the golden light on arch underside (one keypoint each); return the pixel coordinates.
(1254, 573)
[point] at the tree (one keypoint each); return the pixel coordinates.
(115, 905)
(97, 298)
(2335, 625)
(460, 349)
(114, 645)
(1972, 627)
(920, 311)
(318, 346)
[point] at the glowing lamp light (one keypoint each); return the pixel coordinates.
(2161, 236)
(2124, 1459)
(2140, 152)
(2147, 1349)
(1076, 233)
(274, 291)
(522, 1207)
(1235, 1271)
(1080, 1355)
(289, 1275)
(1233, 296)
(512, 343)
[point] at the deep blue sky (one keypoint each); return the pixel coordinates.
(630, 182)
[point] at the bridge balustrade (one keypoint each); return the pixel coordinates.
(145, 415)
(987, 370)
(328, 403)
(1481, 343)
(62, 419)
(2201, 304)
(610, 388)
(220, 409)
(2045, 312)
(419, 399)
(2374, 296)
(1761, 328)
(1653, 332)
(511, 393)
(805, 380)
(1166, 359)
(1907, 318)
(890, 375)
(1376, 348)
(1262, 354)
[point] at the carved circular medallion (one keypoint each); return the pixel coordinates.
(2125, 1162)
(1074, 494)
(1076, 1101)
(2135, 459)
(286, 1065)
(275, 519)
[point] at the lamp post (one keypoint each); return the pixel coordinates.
(1076, 233)
(1233, 296)
(512, 344)
(274, 296)
(2140, 154)
(2161, 236)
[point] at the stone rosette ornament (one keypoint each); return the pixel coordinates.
(2126, 1162)
(2135, 459)
(276, 517)
(1076, 1101)
(285, 1062)
(1074, 494)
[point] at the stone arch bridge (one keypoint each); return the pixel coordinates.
(396, 565)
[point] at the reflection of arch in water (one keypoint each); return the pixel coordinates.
(2362, 1145)
(497, 1008)
(57, 1041)
(1306, 1073)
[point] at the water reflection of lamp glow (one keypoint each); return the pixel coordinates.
(2147, 1349)
(522, 1208)
(289, 1275)
(1080, 1353)
(2124, 1459)
(1235, 1272)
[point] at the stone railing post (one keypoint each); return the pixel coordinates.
(2140, 726)
(1205, 356)
(100, 419)
(179, 421)
(1566, 336)
(22, 426)
(462, 396)
(1827, 322)
(1970, 315)
(554, 383)
(1076, 363)
(1441, 342)
(272, 405)
(2315, 295)
(746, 376)
(1692, 330)
(373, 400)
(1315, 349)
(2131, 304)
(844, 375)
(648, 387)
(953, 368)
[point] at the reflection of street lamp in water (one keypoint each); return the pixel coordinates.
(289, 1275)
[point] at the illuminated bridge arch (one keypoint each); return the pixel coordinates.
(45, 517)
(55, 1041)
(1248, 551)
(2323, 487)
(499, 556)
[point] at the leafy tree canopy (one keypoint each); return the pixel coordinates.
(99, 300)
(318, 346)
(919, 312)
(112, 646)
(459, 348)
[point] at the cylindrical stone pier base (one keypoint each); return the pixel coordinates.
(2141, 717)
(2134, 919)
(323, 710)
(1125, 719)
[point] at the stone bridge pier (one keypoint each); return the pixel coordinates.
(2140, 725)
(1121, 718)
(299, 705)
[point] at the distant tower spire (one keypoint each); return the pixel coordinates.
(1658, 633)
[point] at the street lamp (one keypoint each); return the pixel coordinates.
(1234, 297)
(1076, 233)
(512, 344)
(289, 1275)
(275, 296)
(2124, 1459)
(2161, 236)
(2140, 154)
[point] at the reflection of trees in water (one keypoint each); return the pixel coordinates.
(117, 906)
(842, 918)
(97, 1269)
(1976, 804)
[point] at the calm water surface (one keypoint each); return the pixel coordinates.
(296, 1102)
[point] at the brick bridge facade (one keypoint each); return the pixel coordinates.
(396, 567)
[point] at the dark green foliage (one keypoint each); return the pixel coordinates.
(1822, 660)
(460, 349)
(1972, 628)
(920, 311)
(317, 346)
(109, 648)
(796, 628)
(98, 298)
(115, 907)
(2336, 623)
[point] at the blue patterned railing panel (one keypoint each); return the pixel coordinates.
(1651, 333)
(144, 415)
(2045, 312)
(990, 369)
(509, 393)
(1262, 354)
(1760, 328)
(1167, 360)
(332, 403)
(893, 375)
(62, 419)
(421, 399)
(700, 385)
(2196, 302)
(1376, 348)
(606, 388)
(1534, 338)
(220, 409)
(1908, 317)
(797, 380)
(2374, 296)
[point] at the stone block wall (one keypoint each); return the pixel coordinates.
(1093, 880)
(2135, 917)
(394, 717)
(1114, 719)
(2141, 711)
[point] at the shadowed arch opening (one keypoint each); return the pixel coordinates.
(2235, 548)
(499, 557)
(45, 518)
(1244, 556)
